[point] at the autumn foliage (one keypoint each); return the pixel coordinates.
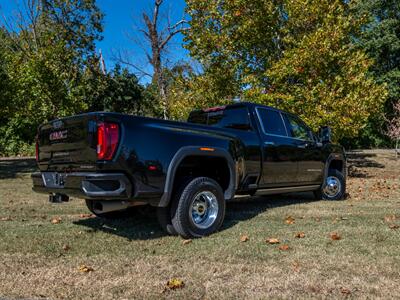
(295, 55)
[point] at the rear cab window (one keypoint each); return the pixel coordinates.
(236, 117)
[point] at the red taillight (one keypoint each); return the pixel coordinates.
(37, 149)
(107, 140)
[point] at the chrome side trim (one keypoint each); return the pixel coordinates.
(271, 191)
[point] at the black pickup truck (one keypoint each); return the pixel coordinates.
(188, 170)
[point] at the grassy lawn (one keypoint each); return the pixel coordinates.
(133, 258)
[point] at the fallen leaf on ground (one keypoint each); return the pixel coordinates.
(335, 236)
(85, 269)
(85, 215)
(394, 226)
(390, 218)
(296, 266)
(300, 235)
(55, 220)
(284, 247)
(289, 220)
(66, 247)
(345, 291)
(272, 241)
(244, 238)
(185, 242)
(175, 283)
(5, 219)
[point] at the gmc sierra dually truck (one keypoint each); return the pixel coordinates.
(188, 170)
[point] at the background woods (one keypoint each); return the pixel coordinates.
(332, 62)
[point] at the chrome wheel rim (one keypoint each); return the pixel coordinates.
(204, 209)
(332, 186)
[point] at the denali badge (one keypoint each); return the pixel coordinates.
(58, 135)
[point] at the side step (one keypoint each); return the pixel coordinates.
(281, 190)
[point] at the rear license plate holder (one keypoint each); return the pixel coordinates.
(53, 180)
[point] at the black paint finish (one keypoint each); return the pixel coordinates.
(147, 148)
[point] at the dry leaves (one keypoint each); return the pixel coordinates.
(5, 219)
(335, 236)
(66, 247)
(393, 226)
(175, 283)
(289, 220)
(83, 216)
(296, 266)
(85, 269)
(244, 238)
(56, 220)
(390, 218)
(345, 291)
(284, 247)
(272, 241)
(185, 242)
(300, 235)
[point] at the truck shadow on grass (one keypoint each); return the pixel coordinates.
(12, 168)
(144, 226)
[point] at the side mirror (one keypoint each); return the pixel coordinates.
(325, 134)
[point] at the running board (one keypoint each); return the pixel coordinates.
(271, 191)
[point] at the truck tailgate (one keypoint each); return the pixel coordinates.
(68, 143)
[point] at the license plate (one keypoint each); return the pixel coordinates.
(53, 179)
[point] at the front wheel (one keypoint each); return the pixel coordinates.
(333, 188)
(199, 209)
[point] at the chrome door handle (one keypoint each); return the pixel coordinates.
(269, 143)
(305, 145)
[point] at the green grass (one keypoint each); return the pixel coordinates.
(133, 258)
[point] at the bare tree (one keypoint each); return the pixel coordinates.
(156, 40)
(393, 129)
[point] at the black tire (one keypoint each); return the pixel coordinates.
(164, 214)
(329, 194)
(184, 203)
(113, 215)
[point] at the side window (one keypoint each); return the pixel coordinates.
(297, 129)
(271, 121)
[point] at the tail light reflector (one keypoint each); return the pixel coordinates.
(107, 140)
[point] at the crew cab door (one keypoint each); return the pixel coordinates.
(279, 161)
(308, 151)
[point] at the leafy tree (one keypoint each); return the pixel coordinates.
(123, 93)
(188, 90)
(380, 39)
(393, 130)
(296, 55)
(49, 60)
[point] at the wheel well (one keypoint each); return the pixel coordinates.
(208, 166)
(336, 165)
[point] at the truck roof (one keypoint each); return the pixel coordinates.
(244, 103)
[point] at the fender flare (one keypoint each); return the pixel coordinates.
(186, 151)
(335, 156)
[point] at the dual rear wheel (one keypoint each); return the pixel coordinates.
(197, 209)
